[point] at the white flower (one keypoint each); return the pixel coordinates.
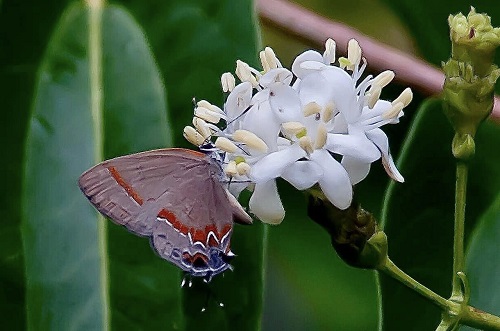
(294, 127)
(358, 111)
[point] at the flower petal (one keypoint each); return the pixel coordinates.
(306, 56)
(343, 92)
(355, 145)
(238, 100)
(272, 165)
(261, 121)
(335, 182)
(380, 140)
(278, 75)
(303, 174)
(357, 170)
(315, 88)
(285, 102)
(265, 203)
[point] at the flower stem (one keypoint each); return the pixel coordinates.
(393, 270)
(458, 237)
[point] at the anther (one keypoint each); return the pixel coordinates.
(292, 128)
(353, 53)
(383, 79)
(226, 145)
(311, 108)
(193, 136)
(243, 168)
(207, 115)
(306, 144)
(321, 136)
(202, 127)
(393, 111)
(227, 81)
(250, 139)
(330, 49)
(230, 169)
(405, 97)
(329, 111)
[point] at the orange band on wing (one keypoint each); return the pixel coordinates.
(196, 234)
(130, 191)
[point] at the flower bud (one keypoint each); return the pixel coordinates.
(353, 231)
(470, 77)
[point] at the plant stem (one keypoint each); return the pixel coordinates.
(458, 238)
(479, 319)
(392, 270)
(467, 315)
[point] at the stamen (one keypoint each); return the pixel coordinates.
(193, 136)
(231, 169)
(383, 79)
(292, 128)
(393, 111)
(321, 136)
(228, 82)
(306, 144)
(329, 111)
(251, 140)
(330, 49)
(373, 96)
(272, 60)
(244, 73)
(263, 61)
(226, 145)
(311, 108)
(405, 97)
(202, 127)
(207, 115)
(209, 106)
(243, 168)
(353, 53)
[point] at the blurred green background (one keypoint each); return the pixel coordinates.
(306, 286)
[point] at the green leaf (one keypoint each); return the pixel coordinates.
(195, 41)
(64, 239)
(482, 261)
(418, 214)
(22, 50)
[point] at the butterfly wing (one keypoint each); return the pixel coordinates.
(172, 195)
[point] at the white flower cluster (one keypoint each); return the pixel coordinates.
(316, 124)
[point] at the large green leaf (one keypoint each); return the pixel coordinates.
(195, 41)
(482, 266)
(418, 215)
(21, 51)
(64, 239)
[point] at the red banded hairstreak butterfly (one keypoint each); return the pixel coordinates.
(174, 196)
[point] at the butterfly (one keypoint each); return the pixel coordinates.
(176, 197)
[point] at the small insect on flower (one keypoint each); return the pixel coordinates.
(174, 196)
